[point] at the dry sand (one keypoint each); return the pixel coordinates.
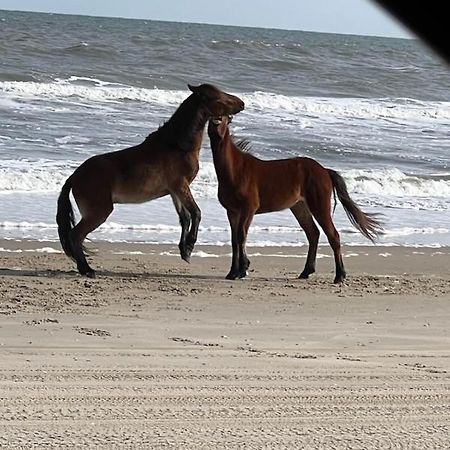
(158, 354)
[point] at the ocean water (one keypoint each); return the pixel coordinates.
(375, 109)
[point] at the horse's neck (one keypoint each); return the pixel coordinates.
(225, 156)
(185, 128)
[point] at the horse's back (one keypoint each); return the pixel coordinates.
(284, 171)
(283, 182)
(313, 169)
(135, 174)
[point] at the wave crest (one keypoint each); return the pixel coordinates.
(98, 91)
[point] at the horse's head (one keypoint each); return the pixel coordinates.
(216, 102)
(218, 127)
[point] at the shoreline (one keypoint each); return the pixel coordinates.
(359, 259)
(157, 353)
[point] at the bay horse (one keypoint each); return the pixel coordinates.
(165, 163)
(249, 186)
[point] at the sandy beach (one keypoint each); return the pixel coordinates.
(155, 353)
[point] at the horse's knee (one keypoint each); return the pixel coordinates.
(196, 215)
(185, 217)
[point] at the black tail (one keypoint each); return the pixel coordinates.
(65, 218)
(365, 223)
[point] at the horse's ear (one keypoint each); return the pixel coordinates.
(192, 88)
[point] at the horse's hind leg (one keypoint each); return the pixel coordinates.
(335, 243)
(321, 210)
(78, 234)
(305, 220)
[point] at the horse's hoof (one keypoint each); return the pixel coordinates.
(243, 274)
(305, 274)
(87, 272)
(186, 253)
(339, 280)
(231, 276)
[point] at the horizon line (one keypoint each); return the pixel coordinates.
(413, 37)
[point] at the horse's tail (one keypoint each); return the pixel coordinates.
(365, 223)
(65, 218)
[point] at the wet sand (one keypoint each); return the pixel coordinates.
(155, 353)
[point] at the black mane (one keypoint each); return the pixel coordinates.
(179, 131)
(243, 144)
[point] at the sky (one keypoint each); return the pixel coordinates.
(361, 17)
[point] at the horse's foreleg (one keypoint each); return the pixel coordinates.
(185, 198)
(233, 218)
(245, 220)
(244, 261)
(305, 220)
(185, 222)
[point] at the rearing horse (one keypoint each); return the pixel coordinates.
(249, 186)
(165, 163)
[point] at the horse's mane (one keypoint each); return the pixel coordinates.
(243, 144)
(179, 130)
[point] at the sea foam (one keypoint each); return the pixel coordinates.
(98, 91)
(389, 187)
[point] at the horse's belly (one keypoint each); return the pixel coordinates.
(142, 186)
(278, 203)
(137, 197)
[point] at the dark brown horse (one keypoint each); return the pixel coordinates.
(165, 163)
(249, 186)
